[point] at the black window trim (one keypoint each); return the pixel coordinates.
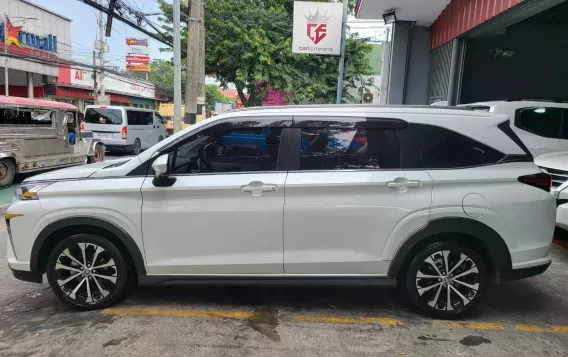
(519, 125)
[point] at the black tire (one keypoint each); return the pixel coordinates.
(99, 155)
(103, 291)
(160, 138)
(137, 147)
(7, 172)
(432, 299)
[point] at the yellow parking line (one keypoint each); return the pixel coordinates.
(241, 315)
(328, 319)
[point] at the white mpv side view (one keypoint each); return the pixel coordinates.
(541, 125)
(447, 201)
(125, 129)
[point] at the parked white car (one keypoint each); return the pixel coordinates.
(541, 125)
(444, 200)
(556, 164)
(125, 129)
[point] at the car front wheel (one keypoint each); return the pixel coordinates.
(446, 280)
(88, 272)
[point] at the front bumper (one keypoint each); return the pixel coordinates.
(28, 276)
(518, 274)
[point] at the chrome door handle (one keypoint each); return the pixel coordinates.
(406, 184)
(257, 188)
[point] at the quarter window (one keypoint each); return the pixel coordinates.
(540, 121)
(239, 150)
(442, 148)
(349, 149)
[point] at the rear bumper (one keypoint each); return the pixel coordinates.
(518, 274)
(120, 148)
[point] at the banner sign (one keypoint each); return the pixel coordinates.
(138, 50)
(317, 28)
(83, 78)
(131, 41)
(138, 67)
(138, 59)
(23, 42)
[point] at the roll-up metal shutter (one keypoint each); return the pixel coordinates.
(439, 76)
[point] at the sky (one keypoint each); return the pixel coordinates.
(84, 30)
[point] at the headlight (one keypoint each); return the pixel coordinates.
(28, 191)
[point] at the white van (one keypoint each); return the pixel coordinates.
(124, 129)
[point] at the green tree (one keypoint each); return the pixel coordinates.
(161, 73)
(249, 43)
(213, 95)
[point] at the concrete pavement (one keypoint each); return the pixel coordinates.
(525, 318)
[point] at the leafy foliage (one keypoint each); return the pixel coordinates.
(249, 43)
(213, 95)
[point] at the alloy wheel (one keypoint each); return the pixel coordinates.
(86, 273)
(447, 280)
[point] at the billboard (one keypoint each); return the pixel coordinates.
(317, 28)
(138, 67)
(137, 54)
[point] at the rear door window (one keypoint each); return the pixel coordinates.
(349, 149)
(445, 149)
(147, 118)
(103, 116)
(540, 121)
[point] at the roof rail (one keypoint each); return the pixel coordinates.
(548, 100)
(329, 106)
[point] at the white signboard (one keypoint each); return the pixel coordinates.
(138, 50)
(317, 28)
(129, 86)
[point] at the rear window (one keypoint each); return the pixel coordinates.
(103, 116)
(445, 149)
(540, 121)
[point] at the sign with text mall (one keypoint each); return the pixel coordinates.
(27, 44)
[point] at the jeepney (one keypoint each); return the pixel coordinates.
(41, 134)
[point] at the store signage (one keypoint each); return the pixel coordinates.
(317, 28)
(83, 78)
(131, 41)
(138, 59)
(137, 50)
(20, 39)
(138, 67)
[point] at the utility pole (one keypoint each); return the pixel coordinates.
(95, 92)
(6, 90)
(101, 51)
(177, 67)
(342, 58)
(201, 78)
(193, 63)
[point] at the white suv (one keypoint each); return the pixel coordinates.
(541, 125)
(444, 200)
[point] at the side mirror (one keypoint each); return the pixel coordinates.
(161, 169)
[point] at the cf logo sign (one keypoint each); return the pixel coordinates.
(317, 32)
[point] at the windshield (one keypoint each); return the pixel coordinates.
(103, 116)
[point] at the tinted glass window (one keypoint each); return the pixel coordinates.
(541, 121)
(345, 149)
(147, 118)
(241, 150)
(442, 148)
(134, 117)
(103, 116)
(159, 118)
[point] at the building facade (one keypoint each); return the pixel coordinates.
(464, 51)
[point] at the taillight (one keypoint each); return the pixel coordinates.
(124, 132)
(82, 127)
(542, 181)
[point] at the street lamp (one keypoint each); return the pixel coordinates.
(389, 16)
(22, 18)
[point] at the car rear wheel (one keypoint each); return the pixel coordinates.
(137, 147)
(88, 272)
(446, 280)
(160, 138)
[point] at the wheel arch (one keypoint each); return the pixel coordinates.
(471, 233)
(58, 230)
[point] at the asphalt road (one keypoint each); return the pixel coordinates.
(525, 318)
